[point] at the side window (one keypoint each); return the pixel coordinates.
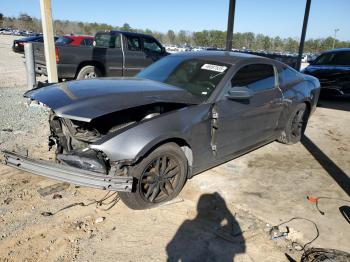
(86, 42)
(341, 58)
(117, 41)
(133, 43)
(150, 45)
(106, 40)
(289, 75)
(256, 77)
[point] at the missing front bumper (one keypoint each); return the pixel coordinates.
(69, 174)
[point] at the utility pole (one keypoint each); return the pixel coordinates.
(230, 23)
(335, 37)
(303, 34)
(49, 42)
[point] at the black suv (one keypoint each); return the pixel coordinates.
(332, 68)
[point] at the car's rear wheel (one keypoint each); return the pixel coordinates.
(159, 177)
(88, 72)
(296, 125)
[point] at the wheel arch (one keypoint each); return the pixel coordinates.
(180, 141)
(97, 64)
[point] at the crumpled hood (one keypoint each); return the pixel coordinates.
(85, 100)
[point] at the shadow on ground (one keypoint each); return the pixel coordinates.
(339, 176)
(213, 235)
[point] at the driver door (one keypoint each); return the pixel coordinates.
(244, 123)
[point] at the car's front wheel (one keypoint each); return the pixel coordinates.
(295, 126)
(159, 177)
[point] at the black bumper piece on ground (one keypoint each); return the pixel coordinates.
(69, 174)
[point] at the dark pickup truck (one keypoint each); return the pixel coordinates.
(115, 53)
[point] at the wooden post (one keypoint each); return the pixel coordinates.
(49, 41)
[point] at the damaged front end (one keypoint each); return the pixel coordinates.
(72, 138)
(69, 174)
(85, 114)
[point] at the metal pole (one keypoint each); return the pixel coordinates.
(30, 65)
(335, 37)
(303, 34)
(230, 24)
(49, 42)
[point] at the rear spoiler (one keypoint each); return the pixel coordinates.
(69, 174)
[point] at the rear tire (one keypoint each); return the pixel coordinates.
(159, 178)
(295, 126)
(88, 72)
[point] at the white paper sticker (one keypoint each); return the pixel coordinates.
(215, 68)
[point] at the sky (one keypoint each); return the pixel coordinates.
(270, 17)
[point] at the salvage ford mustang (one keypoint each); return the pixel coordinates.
(188, 112)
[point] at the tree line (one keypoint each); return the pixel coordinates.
(205, 38)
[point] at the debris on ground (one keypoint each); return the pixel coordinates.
(7, 130)
(99, 220)
(7, 201)
(45, 191)
(56, 196)
(323, 254)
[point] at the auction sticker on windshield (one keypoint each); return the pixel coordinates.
(215, 68)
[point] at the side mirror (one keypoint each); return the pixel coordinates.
(163, 50)
(239, 93)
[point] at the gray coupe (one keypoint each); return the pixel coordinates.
(188, 112)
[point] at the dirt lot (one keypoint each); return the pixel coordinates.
(223, 214)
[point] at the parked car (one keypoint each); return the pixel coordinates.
(75, 40)
(6, 31)
(18, 45)
(332, 68)
(188, 112)
(115, 53)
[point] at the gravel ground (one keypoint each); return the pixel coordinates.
(20, 122)
(241, 198)
(22, 126)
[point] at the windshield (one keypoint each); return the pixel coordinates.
(63, 41)
(197, 76)
(335, 58)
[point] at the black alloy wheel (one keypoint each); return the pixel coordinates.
(159, 179)
(298, 123)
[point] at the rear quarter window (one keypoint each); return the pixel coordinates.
(289, 75)
(106, 40)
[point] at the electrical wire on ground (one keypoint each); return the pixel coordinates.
(295, 244)
(316, 200)
(112, 197)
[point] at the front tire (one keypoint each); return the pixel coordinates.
(159, 177)
(295, 126)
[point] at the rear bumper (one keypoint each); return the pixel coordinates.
(64, 71)
(69, 174)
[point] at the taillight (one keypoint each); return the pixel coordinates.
(57, 55)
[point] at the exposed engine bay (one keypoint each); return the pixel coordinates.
(72, 138)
